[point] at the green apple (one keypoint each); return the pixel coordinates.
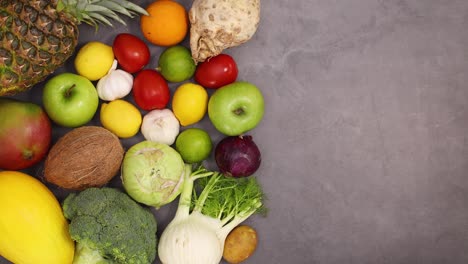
(70, 100)
(236, 108)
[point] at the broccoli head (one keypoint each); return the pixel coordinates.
(109, 227)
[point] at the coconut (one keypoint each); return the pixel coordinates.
(88, 156)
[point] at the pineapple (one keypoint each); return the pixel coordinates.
(38, 36)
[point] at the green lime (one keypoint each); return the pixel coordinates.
(194, 145)
(176, 64)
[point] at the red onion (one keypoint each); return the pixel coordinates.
(237, 156)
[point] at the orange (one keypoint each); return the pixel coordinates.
(167, 23)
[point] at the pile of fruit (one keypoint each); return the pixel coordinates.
(163, 105)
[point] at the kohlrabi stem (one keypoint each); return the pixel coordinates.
(201, 175)
(239, 218)
(221, 210)
(206, 191)
(183, 208)
(185, 198)
(228, 218)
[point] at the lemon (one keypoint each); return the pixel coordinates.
(121, 118)
(94, 60)
(189, 103)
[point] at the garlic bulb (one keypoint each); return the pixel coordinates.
(160, 125)
(115, 85)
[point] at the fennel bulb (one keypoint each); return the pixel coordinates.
(210, 206)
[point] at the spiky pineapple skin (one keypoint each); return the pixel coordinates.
(35, 39)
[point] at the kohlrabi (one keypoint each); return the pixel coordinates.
(210, 206)
(152, 173)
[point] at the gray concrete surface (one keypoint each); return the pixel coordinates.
(364, 140)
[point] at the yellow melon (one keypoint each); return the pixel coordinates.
(32, 226)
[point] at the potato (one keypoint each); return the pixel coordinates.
(218, 25)
(240, 244)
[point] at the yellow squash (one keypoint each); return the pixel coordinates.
(32, 226)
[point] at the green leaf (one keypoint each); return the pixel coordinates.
(81, 5)
(70, 3)
(225, 197)
(131, 6)
(100, 11)
(115, 7)
(87, 19)
(98, 17)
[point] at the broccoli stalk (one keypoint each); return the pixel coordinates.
(86, 255)
(109, 227)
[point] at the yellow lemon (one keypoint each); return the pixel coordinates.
(94, 60)
(189, 103)
(121, 118)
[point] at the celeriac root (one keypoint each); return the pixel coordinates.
(216, 25)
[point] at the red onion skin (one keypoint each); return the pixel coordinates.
(237, 156)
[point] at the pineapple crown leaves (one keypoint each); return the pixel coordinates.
(94, 12)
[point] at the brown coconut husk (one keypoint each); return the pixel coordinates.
(88, 156)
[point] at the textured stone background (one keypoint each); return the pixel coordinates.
(364, 141)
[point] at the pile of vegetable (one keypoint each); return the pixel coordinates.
(107, 191)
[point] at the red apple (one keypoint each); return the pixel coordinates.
(25, 134)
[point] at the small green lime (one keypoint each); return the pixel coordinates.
(194, 145)
(176, 64)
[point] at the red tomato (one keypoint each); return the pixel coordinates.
(131, 53)
(150, 90)
(216, 71)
